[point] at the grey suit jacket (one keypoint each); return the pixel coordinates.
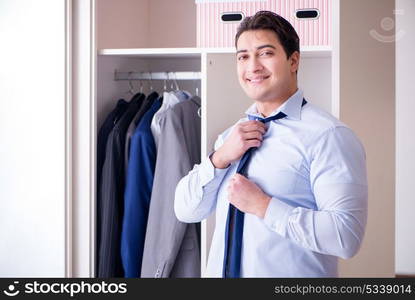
(172, 248)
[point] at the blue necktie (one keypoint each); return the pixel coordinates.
(235, 219)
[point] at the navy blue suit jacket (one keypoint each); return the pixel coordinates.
(139, 183)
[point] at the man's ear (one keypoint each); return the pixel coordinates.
(294, 61)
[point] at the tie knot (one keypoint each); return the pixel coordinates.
(280, 115)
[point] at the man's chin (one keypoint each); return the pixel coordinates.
(260, 98)
(256, 96)
(263, 97)
(262, 94)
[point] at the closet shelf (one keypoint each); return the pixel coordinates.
(307, 51)
(156, 75)
(153, 52)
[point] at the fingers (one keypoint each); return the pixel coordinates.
(252, 143)
(253, 126)
(251, 135)
(244, 136)
(238, 177)
(235, 182)
(252, 138)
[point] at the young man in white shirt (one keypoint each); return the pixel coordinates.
(304, 194)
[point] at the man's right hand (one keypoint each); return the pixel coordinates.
(243, 136)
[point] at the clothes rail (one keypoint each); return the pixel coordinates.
(156, 75)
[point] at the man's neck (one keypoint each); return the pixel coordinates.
(267, 107)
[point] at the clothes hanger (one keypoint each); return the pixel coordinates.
(140, 92)
(135, 94)
(141, 86)
(175, 81)
(164, 87)
(130, 91)
(196, 88)
(130, 85)
(168, 80)
(151, 83)
(199, 111)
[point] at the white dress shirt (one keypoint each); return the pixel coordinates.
(169, 100)
(313, 166)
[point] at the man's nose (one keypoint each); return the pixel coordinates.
(254, 65)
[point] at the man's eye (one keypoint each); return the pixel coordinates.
(242, 57)
(266, 53)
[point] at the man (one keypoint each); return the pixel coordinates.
(303, 196)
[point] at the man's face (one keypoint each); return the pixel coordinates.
(264, 71)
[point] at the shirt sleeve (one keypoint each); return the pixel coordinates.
(339, 183)
(195, 197)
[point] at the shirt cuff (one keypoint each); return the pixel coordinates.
(208, 172)
(276, 215)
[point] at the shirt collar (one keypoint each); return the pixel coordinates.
(291, 107)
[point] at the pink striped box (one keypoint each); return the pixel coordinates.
(212, 31)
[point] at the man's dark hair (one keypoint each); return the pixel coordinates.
(267, 20)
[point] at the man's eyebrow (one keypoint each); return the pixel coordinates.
(258, 48)
(266, 46)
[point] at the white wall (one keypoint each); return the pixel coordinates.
(367, 105)
(405, 140)
(146, 23)
(32, 135)
(172, 24)
(122, 23)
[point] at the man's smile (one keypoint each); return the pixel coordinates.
(257, 79)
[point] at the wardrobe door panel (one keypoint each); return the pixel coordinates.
(314, 78)
(33, 114)
(225, 103)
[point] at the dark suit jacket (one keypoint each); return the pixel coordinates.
(133, 125)
(103, 134)
(111, 195)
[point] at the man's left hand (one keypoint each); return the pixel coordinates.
(247, 196)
